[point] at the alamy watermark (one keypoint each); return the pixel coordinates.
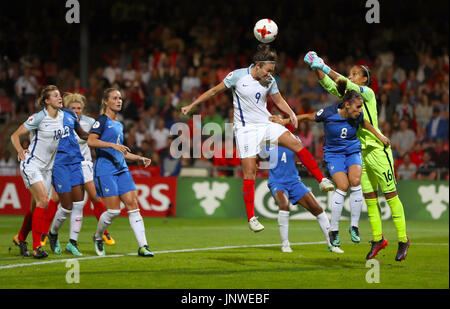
(373, 15)
(373, 274)
(73, 274)
(73, 14)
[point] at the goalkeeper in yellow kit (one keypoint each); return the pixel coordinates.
(378, 163)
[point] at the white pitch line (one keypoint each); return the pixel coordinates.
(156, 252)
(184, 250)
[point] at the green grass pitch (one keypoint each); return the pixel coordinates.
(228, 255)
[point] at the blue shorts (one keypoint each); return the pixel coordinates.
(294, 190)
(341, 162)
(66, 176)
(114, 185)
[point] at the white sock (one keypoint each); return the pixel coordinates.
(137, 224)
(60, 217)
(324, 226)
(104, 221)
(337, 203)
(76, 219)
(356, 201)
(283, 223)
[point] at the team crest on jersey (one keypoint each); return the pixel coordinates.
(230, 75)
(30, 120)
(96, 125)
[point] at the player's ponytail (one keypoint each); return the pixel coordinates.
(264, 54)
(341, 86)
(45, 94)
(347, 96)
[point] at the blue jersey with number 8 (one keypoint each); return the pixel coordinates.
(340, 133)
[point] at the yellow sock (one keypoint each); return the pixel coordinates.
(398, 216)
(374, 218)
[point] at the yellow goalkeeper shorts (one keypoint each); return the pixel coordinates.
(378, 169)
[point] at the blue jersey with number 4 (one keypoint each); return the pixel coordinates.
(68, 151)
(109, 161)
(340, 133)
(282, 165)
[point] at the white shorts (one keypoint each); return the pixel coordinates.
(251, 138)
(88, 172)
(32, 174)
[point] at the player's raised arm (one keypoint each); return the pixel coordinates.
(282, 105)
(328, 77)
(205, 97)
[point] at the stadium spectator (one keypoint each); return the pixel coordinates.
(305, 134)
(440, 157)
(417, 154)
(112, 71)
(406, 170)
(6, 83)
(8, 164)
(426, 170)
(423, 111)
(385, 109)
(26, 88)
(403, 140)
(170, 166)
(161, 135)
(213, 117)
(312, 92)
(190, 81)
(437, 127)
(404, 108)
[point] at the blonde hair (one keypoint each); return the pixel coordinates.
(105, 98)
(74, 98)
(45, 94)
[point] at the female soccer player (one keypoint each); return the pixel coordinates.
(286, 185)
(67, 178)
(112, 178)
(76, 102)
(250, 87)
(378, 168)
(342, 153)
(45, 128)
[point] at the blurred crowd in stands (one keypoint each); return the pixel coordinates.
(162, 67)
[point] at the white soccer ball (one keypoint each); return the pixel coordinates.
(265, 30)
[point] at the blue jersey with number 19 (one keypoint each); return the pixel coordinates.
(340, 133)
(109, 161)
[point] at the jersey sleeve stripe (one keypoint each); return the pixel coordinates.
(240, 109)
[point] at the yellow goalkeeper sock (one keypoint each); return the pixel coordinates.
(373, 210)
(398, 216)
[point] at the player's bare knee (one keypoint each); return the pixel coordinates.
(284, 207)
(354, 182)
(132, 205)
(342, 186)
(42, 202)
